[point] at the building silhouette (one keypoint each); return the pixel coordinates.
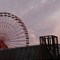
(47, 50)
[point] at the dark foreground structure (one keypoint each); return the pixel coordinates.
(47, 50)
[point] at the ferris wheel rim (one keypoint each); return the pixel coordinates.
(9, 15)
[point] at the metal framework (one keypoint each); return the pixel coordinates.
(51, 43)
(13, 32)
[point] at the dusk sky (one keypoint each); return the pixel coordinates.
(41, 17)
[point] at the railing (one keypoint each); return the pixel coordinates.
(51, 43)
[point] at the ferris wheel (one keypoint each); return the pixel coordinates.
(13, 32)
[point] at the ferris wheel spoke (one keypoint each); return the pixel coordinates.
(17, 31)
(14, 44)
(17, 37)
(6, 27)
(17, 41)
(17, 45)
(17, 34)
